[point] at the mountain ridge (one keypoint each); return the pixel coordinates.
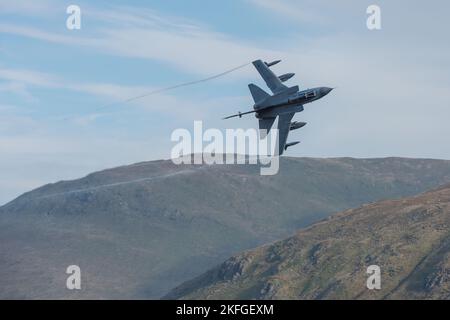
(143, 229)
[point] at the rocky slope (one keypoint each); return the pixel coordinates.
(139, 230)
(409, 239)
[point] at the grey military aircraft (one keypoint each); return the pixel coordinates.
(284, 103)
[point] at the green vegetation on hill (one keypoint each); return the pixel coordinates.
(409, 239)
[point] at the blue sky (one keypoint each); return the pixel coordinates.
(392, 96)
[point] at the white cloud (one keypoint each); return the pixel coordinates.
(289, 9)
(27, 7)
(28, 77)
(144, 34)
(35, 33)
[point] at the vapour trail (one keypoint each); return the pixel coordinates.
(174, 87)
(120, 183)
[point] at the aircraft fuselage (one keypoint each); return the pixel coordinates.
(291, 100)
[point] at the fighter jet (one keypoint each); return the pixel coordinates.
(283, 103)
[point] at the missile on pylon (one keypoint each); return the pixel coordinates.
(297, 125)
(269, 64)
(290, 144)
(286, 77)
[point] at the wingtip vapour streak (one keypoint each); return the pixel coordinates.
(185, 84)
(120, 183)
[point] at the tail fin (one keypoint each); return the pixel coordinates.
(258, 94)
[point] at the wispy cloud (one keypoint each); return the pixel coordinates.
(52, 37)
(129, 32)
(17, 88)
(26, 7)
(293, 10)
(29, 77)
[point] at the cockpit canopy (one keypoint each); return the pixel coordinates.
(310, 94)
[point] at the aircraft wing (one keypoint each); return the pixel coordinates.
(272, 81)
(265, 124)
(284, 125)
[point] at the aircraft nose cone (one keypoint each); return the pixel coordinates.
(326, 90)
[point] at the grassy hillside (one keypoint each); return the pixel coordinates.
(409, 239)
